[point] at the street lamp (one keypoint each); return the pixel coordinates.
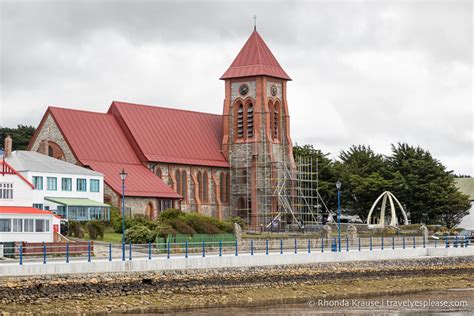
(123, 176)
(338, 186)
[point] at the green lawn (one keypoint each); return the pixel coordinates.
(109, 237)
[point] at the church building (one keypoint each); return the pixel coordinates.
(234, 164)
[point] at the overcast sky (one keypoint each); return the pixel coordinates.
(364, 72)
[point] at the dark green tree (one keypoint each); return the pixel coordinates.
(364, 176)
(425, 187)
(20, 135)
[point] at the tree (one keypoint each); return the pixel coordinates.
(425, 187)
(20, 135)
(364, 176)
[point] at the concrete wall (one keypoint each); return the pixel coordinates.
(226, 261)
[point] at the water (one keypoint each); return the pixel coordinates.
(450, 302)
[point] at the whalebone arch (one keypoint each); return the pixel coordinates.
(384, 197)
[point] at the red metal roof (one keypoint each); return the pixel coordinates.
(173, 136)
(6, 168)
(254, 59)
(22, 210)
(98, 141)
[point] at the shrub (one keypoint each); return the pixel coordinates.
(116, 219)
(95, 229)
(236, 219)
(138, 234)
(163, 230)
(181, 227)
(201, 224)
(140, 220)
(171, 214)
(75, 229)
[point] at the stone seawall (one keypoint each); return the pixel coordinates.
(47, 289)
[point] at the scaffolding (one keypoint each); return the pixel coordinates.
(286, 192)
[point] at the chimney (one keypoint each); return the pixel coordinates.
(43, 147)
(8, 146)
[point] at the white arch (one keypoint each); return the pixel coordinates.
(393, 220)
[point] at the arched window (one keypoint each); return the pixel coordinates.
(276, 120)
(225, 187)
(178, 182)
(184, 185)
(199, 179)
(240, 121)
(205, 187)
(250, 121)
(270, 110)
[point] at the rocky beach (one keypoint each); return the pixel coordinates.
(264, 286)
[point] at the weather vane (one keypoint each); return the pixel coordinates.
(254, 22)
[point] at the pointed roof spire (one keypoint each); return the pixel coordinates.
(254, 59)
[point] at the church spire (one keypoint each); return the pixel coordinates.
(254, 59)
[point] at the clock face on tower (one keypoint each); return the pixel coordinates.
(273, 90)
(244, 89)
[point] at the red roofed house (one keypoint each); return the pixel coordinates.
(221, 165)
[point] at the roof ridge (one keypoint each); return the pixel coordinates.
(76, 110)
(165, 108)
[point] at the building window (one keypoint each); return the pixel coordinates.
(17, 225)
(5, 225)
(81, 185)
(276, 121)
(250, 121)
(203, 186)
(28, 225)
(51, 183)
(38, 182)
(6, 191)
(240, 121)
(38, 206)
(225, 187)
(178, 182)
(95, 185)
(66, 184)
(184, 184)
(41, 225)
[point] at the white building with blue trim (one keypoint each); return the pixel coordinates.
(73, 192)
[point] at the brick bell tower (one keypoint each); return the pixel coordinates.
(256, 138)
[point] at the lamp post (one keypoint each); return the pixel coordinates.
(338, 186)
(123, 176)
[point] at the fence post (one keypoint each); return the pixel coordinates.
(123, 251)
(44, 252)
(89, 251)
(67, 252)
(21, 254)
(424, 242)
(266, 247)
(186, 249)
(436, 243)
(296, 246)
(110, 251)
(447, 242)
(393, 242)
(359, 243)
(381, 243)
(414, 242)
(347, 243)
(370, 243)
(203, 248)
(281, 246)
(130, 252)
(168, 250)
(309, 246)
(403, 241)
(149, 250)
(456, 242)
(220, 248)
(251, 247)
(236, 248)
(322, 244)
